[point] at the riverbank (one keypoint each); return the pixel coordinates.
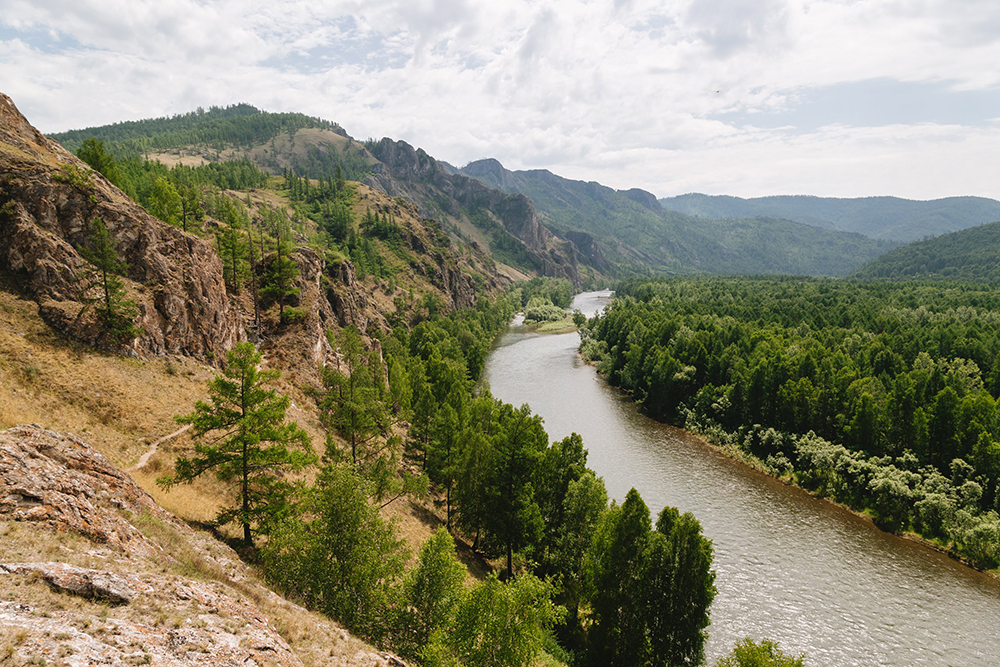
(715, 437)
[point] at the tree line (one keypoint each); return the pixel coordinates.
(587, 581)
(880, 395)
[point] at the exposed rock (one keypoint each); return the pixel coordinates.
(78, 580)
(588, 247)
(57, 480)
(49, 198)
(410, 172)
(54, 483)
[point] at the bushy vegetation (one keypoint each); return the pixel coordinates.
(880, 395)
(968, 256)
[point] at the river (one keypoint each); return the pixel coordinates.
(801, 571)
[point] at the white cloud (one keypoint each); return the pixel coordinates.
(627, 93)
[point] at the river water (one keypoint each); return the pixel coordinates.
(792, 568)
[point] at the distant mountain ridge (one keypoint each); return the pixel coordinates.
(636, 233)
(969, 255)
(889, 218)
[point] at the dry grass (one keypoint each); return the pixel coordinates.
(119, 405)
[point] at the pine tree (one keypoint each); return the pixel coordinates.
(279, 278)
(251, 446)
(115, 311)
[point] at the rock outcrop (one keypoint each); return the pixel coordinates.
(412, 173)
(48, 200)
(178, 596)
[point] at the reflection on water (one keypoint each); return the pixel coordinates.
(789, 567)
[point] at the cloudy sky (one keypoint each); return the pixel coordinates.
(745, 97)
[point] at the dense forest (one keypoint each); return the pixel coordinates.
(968, 256)
(879, 395)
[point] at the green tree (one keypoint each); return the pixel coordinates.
(115, 311)
(281, 270)
(433, 588)
(614, 569)
(513, 518)
(92, 152)
(679, 586)
(165, 202)
(497, 624)
(249, 443)
(339, 556)
(748, 653)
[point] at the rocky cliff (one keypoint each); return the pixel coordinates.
(96, 573)
(412, 173)
(49, 198)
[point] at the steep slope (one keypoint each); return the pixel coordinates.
(411, 173)
(504, 226)
(95, 572)
(634, 231)
(875, 217)
(47, 200)
(969, 255)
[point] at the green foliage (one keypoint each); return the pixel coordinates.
(650, 591)
(497, 625)
(865, 392)
(115, 311)
(93, 153)
(339, 556)
(238, 125)
(748, 653)
(555, 291)
(280, 269)
(432, 589)
(968, 256)
(249, 446)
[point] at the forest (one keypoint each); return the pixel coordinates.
(881, 396)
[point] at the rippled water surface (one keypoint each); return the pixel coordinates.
(789, 567)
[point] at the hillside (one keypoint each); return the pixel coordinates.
(889, 218)
(503, 225)
(969, 255)
(635, 233)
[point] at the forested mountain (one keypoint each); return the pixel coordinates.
(970, 255)
(502, 224)
(875, 217)
(637, 234)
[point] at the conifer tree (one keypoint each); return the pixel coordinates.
(279, 279)
(115, 311)
(249, 443)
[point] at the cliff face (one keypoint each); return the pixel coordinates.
(409, 172)
(49, 198)
(132, 584)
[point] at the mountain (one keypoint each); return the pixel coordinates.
(969, 255)
(504, 225)
(888, 218)
(632, 230)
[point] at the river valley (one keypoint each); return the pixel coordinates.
(804, 572)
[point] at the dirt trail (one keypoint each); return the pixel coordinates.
(144, 459)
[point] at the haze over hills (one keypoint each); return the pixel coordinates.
(888, 218)
(969, 255)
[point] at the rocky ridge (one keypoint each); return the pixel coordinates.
(48, 199)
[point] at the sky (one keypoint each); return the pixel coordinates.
(840, 98)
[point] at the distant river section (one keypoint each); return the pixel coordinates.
(801, 571)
